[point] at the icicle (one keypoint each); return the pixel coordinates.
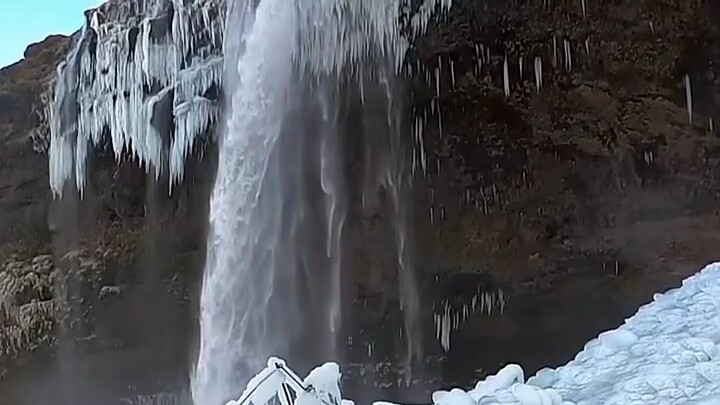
(688, 98)
(711, 125)
(452, 73)
(362, 90)
(437, 82)
(652, 27)
(506, 78)
(479, 59)
(520, 63)
(568, 55)
(538, 73)
(555, 52)
(584, 9)
(440, 126)
(587, 47)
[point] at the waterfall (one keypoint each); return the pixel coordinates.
(143, 79)
(239, 273)
(274, 271)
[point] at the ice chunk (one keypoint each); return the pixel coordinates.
(322, 386)
(618, 339)
(263, 386)
(454, 397)
(529, 395)
(506, 78)
(688, 97)
(544, 378)
(505, 378)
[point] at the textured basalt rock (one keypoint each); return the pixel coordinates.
(24, 196)
(594, 191)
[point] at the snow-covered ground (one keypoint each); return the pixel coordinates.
(667, 353)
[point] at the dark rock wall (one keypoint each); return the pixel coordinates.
(24, 195)
(585, 197)
(602, 161)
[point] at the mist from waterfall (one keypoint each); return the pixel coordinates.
(274, 271)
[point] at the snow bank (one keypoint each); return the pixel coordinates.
(667, 353)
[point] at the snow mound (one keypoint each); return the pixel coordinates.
(667, 353)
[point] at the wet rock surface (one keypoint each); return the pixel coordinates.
(581, 199)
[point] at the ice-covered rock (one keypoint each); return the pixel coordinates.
(143, 76)
(666, 353)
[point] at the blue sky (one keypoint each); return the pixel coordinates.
(23, 22)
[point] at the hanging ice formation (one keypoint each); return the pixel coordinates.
(688, 97)
(506, 78)
(568, 55)
(538, 73)
(450, 313)
(143, 75)
(587, 47)
(290, 66)
(521, 63)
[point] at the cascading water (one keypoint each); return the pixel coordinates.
(239, 276)
(288, 65)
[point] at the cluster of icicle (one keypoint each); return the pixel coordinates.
(448, 317)
(140, 72)
(338, 34)
(133, 57)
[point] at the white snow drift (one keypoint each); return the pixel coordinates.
(667, 353)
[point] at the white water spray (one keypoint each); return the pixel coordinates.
(230, 330)
(289, 58)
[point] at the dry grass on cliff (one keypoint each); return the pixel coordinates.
(27, 311)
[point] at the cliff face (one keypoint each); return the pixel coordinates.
(598, 154)
(578, 200)
(111, 273)
(23, 171)
(594, 191)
